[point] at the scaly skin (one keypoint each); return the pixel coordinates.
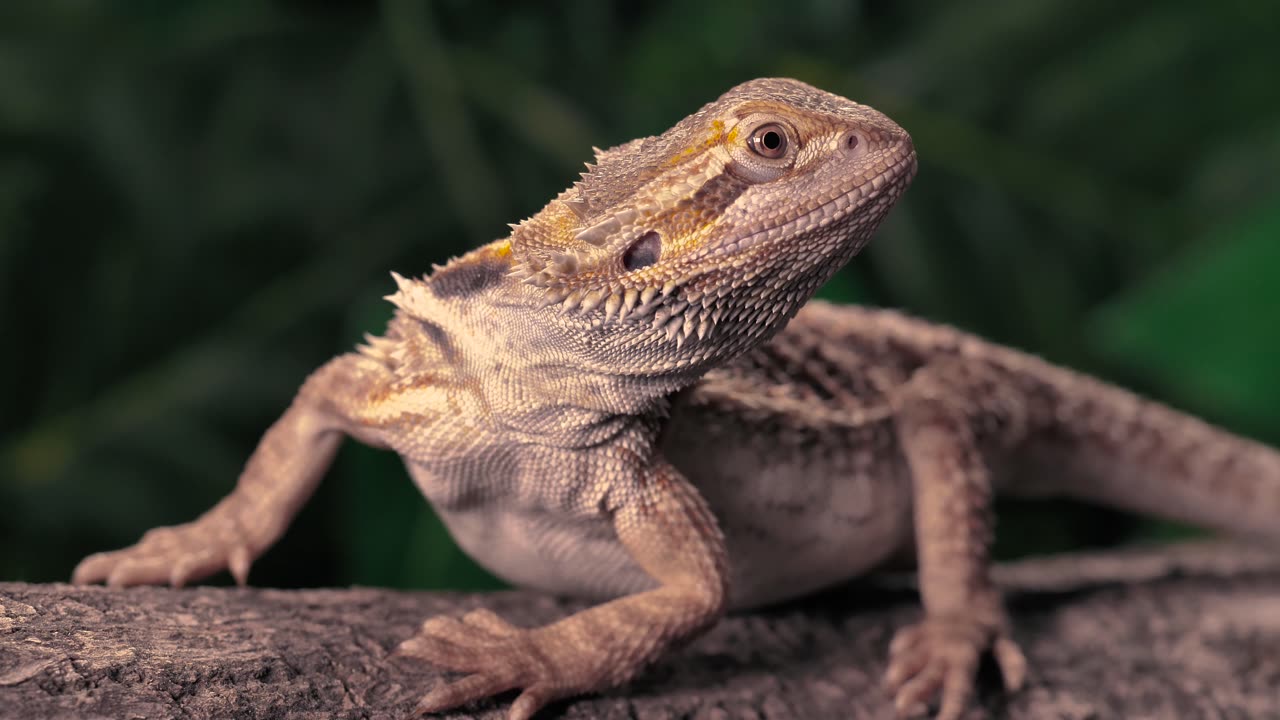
(613, 403)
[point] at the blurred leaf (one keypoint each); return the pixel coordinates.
(1203, 327)
(472, 187)
(435, 562)
(548, 122)
(198, 372)
(843, 288)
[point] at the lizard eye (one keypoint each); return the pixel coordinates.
(767, 151)
(644, 252)
(768, 141)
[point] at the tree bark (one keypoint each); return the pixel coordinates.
(1190, 632)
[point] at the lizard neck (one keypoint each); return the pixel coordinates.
(522, 362)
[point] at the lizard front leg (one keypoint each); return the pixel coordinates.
(669, 531)
(278, 478)
(936, 413)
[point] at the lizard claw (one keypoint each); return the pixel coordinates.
(238, 562)
(937, 660)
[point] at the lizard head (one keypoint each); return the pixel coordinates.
(703, 241)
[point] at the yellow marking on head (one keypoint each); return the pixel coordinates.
(499, 250)
(715, 137)
(683, 231)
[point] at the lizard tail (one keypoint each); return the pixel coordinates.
(1108, 445)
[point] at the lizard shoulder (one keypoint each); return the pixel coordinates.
(831, 367)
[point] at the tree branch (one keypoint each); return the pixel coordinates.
(1185, 632)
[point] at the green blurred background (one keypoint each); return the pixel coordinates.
(200, 202)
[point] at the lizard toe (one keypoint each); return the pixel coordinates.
(957, 692)
(904, 664)
(190, 566)
(935, 662)
(441, 652)
(449, 695)
(174, 555)
(912, 698)
(92, 569)
(488, 621)
(1013, 664)
(238, 562)
(905, 639)
(459, 633)
(529, 702)
(143, 570)
(474, 647)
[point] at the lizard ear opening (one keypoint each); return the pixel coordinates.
(644, 252)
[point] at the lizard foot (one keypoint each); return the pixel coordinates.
(498, 656)
(937, 659)
(174, 555)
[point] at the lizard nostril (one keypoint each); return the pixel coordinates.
(853, 143)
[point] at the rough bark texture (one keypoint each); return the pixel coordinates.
(1192, 632)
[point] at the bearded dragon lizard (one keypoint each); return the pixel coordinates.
(629, 399)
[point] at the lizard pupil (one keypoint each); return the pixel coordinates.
(644, 252)
(769, 141)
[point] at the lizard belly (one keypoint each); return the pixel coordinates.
(799, 513)
(794, 522)
(532, 541)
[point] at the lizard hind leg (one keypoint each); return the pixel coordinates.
(937, 659)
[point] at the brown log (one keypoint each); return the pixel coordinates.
(1192, 632)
